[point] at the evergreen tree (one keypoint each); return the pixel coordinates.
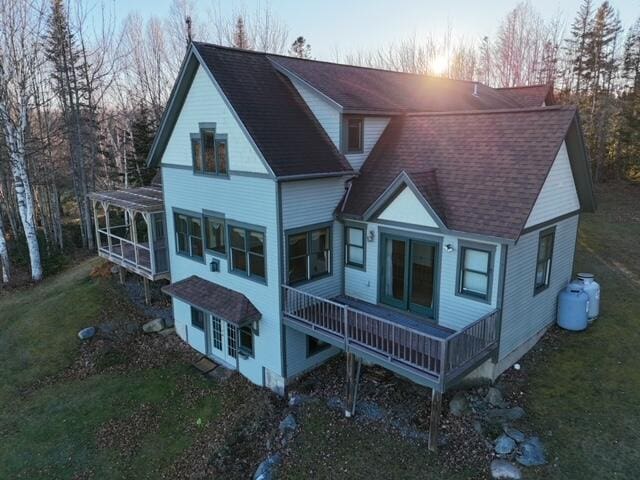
(240, 36)
(300, 48)
(142, 133)
(577, 43)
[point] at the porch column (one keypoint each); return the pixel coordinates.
(134, 236)
(434, 419)
(107, 221)
(352, 379)
(150, 242)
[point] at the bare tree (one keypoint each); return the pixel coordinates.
(21, 28)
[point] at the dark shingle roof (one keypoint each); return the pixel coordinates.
(530, 96)
(488, 166)
(141, 199)
(277, 118)
(225, 304)
(374, 90)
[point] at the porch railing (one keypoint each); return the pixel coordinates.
(429, 355)
(127, 251)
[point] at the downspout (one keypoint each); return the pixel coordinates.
(280, 232)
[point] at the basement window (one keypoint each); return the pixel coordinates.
(197, 318)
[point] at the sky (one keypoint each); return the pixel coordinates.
(355, 25)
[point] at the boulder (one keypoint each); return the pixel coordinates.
(288, 425)
(514, 433)
(86, 333)
(266, 470)
(297, 400)
(504, 445)
(458, 405)
(531, 453)
(501, 469)
(503, 415)
(335, 403)
(154, 325)
(494, 397)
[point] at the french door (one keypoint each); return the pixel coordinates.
(408, 274)
(222, 341)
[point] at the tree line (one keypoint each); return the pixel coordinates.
(82, 96)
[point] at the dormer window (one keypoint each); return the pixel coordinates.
(355, 134)
(209, 151)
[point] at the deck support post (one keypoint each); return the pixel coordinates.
(434, 419)
(121, 274)
(352, 380)
(147, 292)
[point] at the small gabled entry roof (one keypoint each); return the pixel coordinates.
(226, 304)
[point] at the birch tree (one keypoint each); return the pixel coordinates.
(21, 24)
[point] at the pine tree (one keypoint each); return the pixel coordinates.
(240, 36)
(577, 43)
(630, 99)
(300, 48)
(142, 133)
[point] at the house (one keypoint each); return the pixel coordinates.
(422, 224)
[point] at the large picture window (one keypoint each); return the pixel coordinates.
(188, 230)
(247, 252)
(543, 262)
(309, 254)
(354, 239)
(474, 277)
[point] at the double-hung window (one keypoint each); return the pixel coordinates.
(309, 254)
(355, 134)
(197, 318)
(543, 262)
(188, 234)
(354, 239)
(474, 276)
(214, 234)
(209, 151)
(247, 252)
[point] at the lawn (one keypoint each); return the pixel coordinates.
(581, 394)
(71, 428)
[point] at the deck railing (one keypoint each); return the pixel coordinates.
(392, 342)
(135, 255)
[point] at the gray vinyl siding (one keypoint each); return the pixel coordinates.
(373, 128)
(327, 114)
(297, 361)
(310, 202)
(249, 200)
(454, 311)
(524, 314)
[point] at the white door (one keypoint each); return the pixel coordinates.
(222, 341)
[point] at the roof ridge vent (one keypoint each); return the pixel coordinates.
(475, 89)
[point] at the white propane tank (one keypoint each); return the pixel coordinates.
(591, 288)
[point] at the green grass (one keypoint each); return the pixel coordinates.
(52, 431)
(585, 397)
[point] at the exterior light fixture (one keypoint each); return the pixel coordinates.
(449, 248)
(371, 235)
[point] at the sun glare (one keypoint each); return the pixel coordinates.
(440, 65)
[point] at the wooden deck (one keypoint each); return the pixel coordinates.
(425, 352)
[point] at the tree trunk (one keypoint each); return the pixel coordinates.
(4, 254)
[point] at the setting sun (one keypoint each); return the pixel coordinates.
(439, 65)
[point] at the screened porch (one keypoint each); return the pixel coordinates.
(130, 230)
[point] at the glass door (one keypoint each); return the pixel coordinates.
(408, 273)
(220, 346)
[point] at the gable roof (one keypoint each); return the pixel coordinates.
(531, 95)
(362, 89)
(488, 166)
(274, 115)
